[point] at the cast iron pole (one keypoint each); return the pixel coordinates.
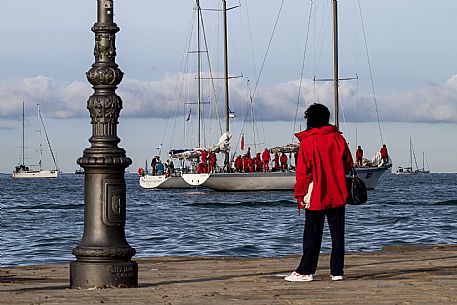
(103, 256)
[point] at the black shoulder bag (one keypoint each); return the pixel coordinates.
(357, 191)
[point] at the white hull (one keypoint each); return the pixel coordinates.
(163, 182)
(406, 174)
(371, 175)
(406, 171)
(272, 181)
(36, 174)
(237, 182)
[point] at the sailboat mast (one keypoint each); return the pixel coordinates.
(335, 63)
(411, 152)
(423, 162)
(226, 78)
(198, 73)
(23, 134)
(41, 137)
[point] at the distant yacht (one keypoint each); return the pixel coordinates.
(79, 171)
(409, 170)
(35, 171)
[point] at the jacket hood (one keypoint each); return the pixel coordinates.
(316, 131)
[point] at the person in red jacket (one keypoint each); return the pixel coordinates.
(276, 160)
(258, 163)
(204, 161)
(359, 155)
(246, 164)
(283, 160)
(266, 160)
(212, 161)
(324, 159)
(239, 164)
(384, 154)
(251, 163)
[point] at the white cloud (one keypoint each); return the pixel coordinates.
(433, 103)
(56, 99)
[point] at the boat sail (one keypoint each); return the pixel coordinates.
(261, 181)
(35, 171)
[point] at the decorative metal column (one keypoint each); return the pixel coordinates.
(103, 256)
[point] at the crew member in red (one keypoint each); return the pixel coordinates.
(324, 159)
(359, 155)
(276, 160)
(251, 163)
(248, 153)
(204, 161)
(384, 154)
(283, 160)
(212, 161)
(258, 163)
(266, 160)
(238, 164)
(246, 163)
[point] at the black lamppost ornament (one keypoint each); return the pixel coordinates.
(103, 256)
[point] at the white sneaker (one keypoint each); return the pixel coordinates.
(297, 277)
(336, 277)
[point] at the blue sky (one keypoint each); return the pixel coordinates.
(47, 47)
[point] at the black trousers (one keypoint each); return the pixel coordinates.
(312, 239)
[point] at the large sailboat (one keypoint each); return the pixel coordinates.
(35, 171)
(263, 181)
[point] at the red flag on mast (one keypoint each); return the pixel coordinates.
(242, 141)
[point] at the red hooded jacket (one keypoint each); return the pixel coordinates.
(324, 158)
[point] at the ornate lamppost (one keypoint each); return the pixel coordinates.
(103, 256)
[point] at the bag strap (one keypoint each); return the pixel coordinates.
(353, 172)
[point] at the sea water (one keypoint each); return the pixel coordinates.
(42, 219)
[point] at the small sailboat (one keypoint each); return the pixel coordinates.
(35, 171)
(409, 170)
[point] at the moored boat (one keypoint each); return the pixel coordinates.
(284, 180)
(35, 171)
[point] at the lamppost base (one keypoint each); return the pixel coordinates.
(103, 274)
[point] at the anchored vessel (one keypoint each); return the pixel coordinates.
(35, 171)
(227, 181)
(410, 170)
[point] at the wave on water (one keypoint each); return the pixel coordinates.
(248, 203)
(47, 206)
(196, 193)
(446, 202)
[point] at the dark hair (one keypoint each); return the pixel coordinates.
(317, 115)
